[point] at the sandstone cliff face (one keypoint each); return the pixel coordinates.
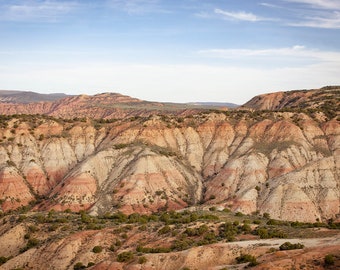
(285, 164)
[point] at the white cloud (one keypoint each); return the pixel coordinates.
(269, 5)
(240, 16)
(328, 21)
(137, 6)
(324, 4)
(36, 10)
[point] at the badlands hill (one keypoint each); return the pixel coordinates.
(326, 98)
(100, 106)
(285, 163)
(281, 162)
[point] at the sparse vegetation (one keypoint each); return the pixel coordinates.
(290, 246)
(329, 260)
(247, 258)
(181, 229)
(78, 266)
(97, 249)
(125, 256)
(142, 260)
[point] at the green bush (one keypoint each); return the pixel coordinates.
(32, 242)
(245, 258)
(97, 249)
(266, 215)
(239, 214)
(142, 260)
(90, 264)
(79, 266)
(329, 259)
(166, 229)
(125, 256)
(112, 248)
(228, 231)
(3, 260)
(290, 246)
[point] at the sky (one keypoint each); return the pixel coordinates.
(169, 50)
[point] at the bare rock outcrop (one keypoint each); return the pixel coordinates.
(286, 164)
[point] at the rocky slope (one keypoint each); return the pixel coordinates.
(282, 164)
(191, 240)
(100, 106)
(327, 98)
(285, 164)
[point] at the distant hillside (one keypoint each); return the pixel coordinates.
(8, 96)
(104, 105)
(326, 98)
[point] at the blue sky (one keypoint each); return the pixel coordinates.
(179, 51)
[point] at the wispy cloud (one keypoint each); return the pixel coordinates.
(138, 6)
(329, 21)
(265, 4)
(36, 10)
(240, 16)
(296, 52)
(324, 4)
(310, 13)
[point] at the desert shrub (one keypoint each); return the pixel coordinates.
(246, 228)
(142, 260)
(32, 242)
(265, 233)
(290, 246)
(97, 249)
(125, 256)
(239, 214)
(152, 250)
(33, 228)
(3, 260)
(181, 244)
(22, 218)
(79, 266)
(228, 231)
(266, 215)
(329, 259)
(247, 258)
(166, 229)
(90, 264)
(196, 231)
(112, 248)
(53, 227)
(118, 243)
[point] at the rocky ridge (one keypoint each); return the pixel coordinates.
(99, 106)
(286, 164)
(326, 98)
